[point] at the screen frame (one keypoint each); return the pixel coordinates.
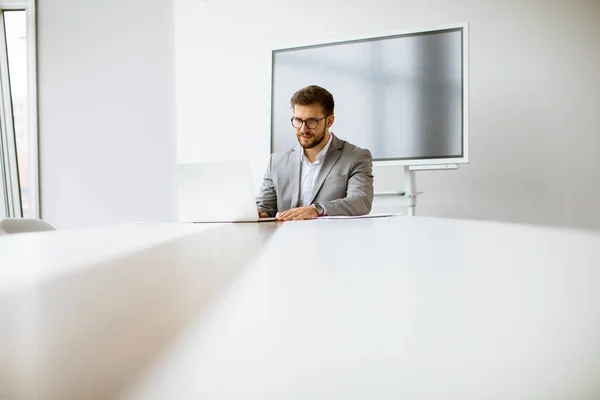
(462, 27)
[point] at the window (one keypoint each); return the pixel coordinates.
(19, 183)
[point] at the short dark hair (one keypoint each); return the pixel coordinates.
(314, 94)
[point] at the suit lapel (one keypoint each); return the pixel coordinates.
(333, 154)
(294, 163)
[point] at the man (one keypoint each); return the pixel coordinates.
(322, 174)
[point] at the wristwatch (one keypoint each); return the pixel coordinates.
(319, 208)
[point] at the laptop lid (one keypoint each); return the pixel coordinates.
(215, 192)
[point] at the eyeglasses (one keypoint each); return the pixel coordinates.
(311, 123)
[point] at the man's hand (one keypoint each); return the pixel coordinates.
(299, 213)
(261, 214)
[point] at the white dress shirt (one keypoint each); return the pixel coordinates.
(309, 173)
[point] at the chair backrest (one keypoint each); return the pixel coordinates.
(22, 225)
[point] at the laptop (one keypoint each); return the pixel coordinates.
(216, 192)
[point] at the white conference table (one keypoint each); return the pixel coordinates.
(385, 308)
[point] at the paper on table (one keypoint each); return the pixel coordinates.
(361, 216)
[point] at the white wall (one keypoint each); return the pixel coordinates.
(535, 94)
(106, 110)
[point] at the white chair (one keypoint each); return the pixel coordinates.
(22, 225)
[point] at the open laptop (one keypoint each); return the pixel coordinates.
(216, 192)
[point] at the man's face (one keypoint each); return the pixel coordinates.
(311, 137)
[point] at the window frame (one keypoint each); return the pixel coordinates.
(14, 204)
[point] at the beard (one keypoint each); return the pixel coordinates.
(315, 140)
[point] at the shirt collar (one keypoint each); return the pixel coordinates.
(322, 153)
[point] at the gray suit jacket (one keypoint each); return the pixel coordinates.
(344, 184)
